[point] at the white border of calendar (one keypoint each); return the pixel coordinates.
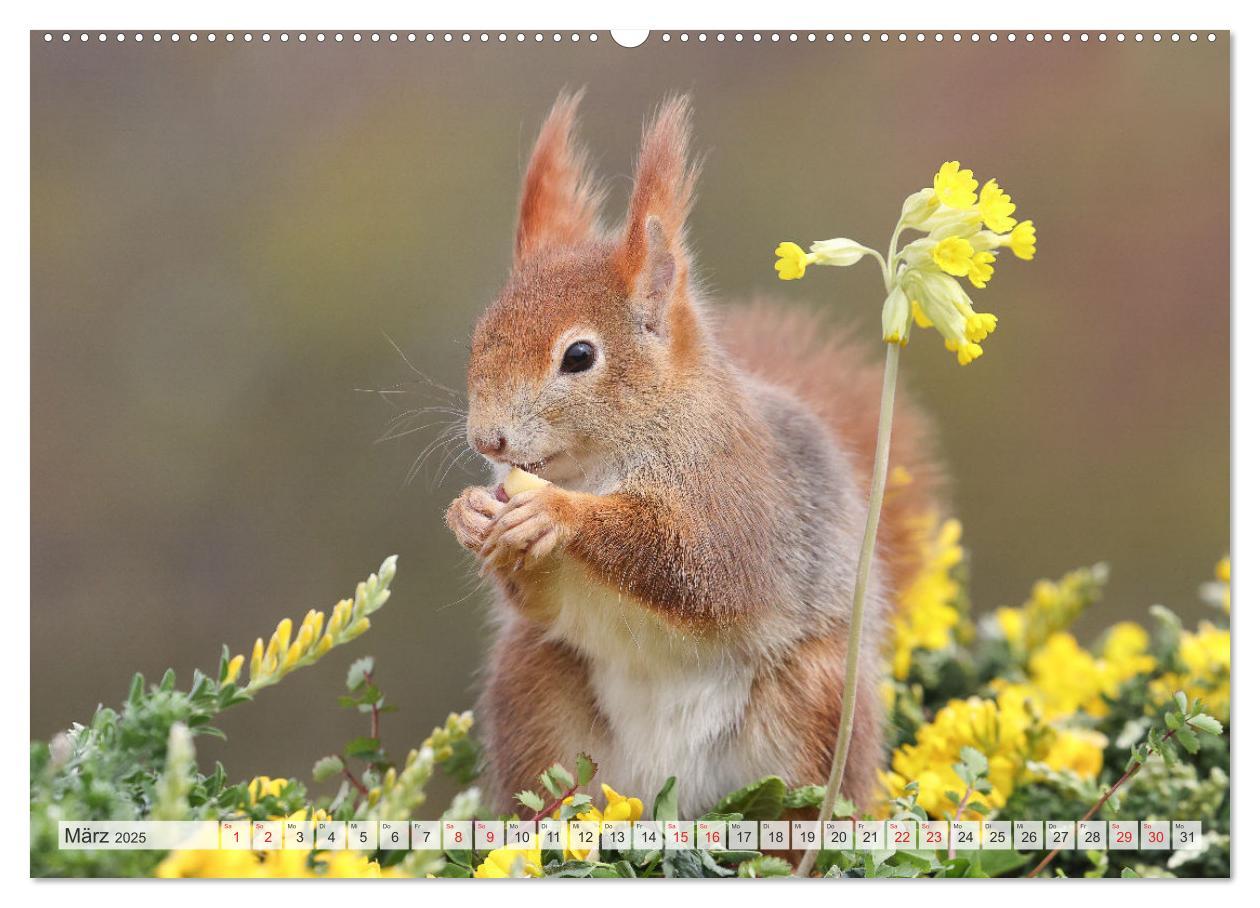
(659, 14)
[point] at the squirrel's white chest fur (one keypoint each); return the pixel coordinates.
(672, 704)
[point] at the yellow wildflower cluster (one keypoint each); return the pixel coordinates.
(1205, 656)
(926, 616)
(444, 738)
(285, 651)
(232, 864)
(1007, 731)
(1065, 679)
(966, 226)
(617, 809)
(1052, 607)
(510, 862)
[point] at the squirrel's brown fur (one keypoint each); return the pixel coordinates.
(677, 601)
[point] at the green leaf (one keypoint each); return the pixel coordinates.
(1205, 723)
(326, 768)
(531, 800)
(364, 749)
(359, 670)
(805, 796)
(765, 866)
(1180, 697)
(998, 863)
(665, 807)
(1185, 737)
(762, 800)
(136, 693)
(586, 769)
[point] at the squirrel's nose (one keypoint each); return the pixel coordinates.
(491, 446)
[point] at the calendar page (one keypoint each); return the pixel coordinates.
(577, 453)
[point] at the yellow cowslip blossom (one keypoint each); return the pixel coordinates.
(503, 863)
(1022, 241)
(1204, 670)
(954, 187)
(953, 256)
(792, 262)
(996, 208)
(840, 252)
(926, 617)
(964, 230)
(980, 272)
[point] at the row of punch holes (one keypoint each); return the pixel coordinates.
(626, 38)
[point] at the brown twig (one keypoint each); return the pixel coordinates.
(1128, 774)
(359, 786)
(554, 805)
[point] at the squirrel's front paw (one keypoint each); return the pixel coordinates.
(530, 527)
(471, 515)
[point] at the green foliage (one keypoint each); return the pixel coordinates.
(138, 761)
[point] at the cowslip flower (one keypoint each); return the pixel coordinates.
(840, 252)
(967, 226)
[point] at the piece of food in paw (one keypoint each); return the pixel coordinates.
(518, 481)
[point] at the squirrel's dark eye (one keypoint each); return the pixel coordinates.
(578, 358)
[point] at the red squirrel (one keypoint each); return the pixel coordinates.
(676, 602)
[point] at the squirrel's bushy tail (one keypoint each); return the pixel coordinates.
(835, 374)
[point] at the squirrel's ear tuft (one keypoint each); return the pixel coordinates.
(664, 189)
(560, 199)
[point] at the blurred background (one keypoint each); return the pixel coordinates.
(226, 238)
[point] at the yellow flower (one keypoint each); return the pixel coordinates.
(233, 669)
(954, 187)
(1206, 657)
(793, 260)
(996, 208)
(1052, 607)
(510, 862)
(998, 728)
(980, 269)
(1022, 240)
(980, 325)
(953, 256)
(265, 786)
(231, 864)
(1078, 751)
(1066, 679)
(926, 617)
(620, 808)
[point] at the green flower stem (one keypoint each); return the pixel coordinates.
(879, 479)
